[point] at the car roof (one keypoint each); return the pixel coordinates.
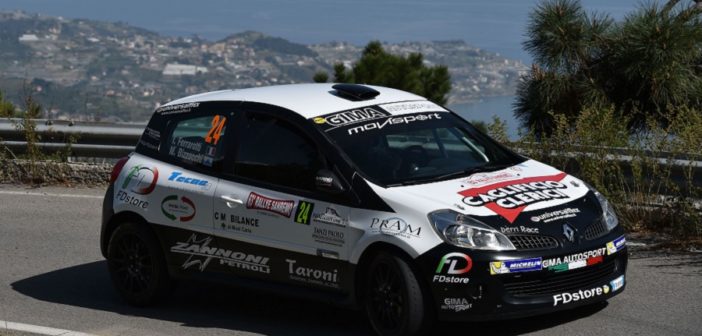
(308, 100)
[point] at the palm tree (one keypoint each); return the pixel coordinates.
(646, 65)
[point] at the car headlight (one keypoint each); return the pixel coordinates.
(608, 216)
(465, 231)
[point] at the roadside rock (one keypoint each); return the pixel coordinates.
(53, 172)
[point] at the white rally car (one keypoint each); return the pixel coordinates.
(363, 195)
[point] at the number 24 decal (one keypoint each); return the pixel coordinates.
(216, 130)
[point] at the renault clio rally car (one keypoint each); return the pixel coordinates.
(361, 195)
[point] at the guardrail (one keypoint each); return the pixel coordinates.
(94, 140)
(111, 140)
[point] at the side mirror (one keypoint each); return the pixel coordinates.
(327, 181)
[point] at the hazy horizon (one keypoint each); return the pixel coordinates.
(496, 26)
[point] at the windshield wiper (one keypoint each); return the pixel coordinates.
(460, 173)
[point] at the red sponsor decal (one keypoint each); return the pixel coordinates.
(509, 198)
(280, 207)
(498, 176)
(594, 260)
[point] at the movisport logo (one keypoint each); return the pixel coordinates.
(377, 125)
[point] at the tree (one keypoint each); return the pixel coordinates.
(341, 75)
(7, 109)
(320, 77)
(408, 73)
(645, 66)
(654, 54)
(567, 45)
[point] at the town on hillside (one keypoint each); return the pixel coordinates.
(110, 71)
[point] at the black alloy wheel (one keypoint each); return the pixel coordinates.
(387, 297)
(133, 265)
(394, 301)
(137, 266)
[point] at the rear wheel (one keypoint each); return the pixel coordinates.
(137, 265)
(393, 298)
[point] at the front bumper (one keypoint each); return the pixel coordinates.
(533, 288)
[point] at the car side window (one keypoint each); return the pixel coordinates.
(273, 151)
(197, 141)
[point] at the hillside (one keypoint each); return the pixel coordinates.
(83, 69)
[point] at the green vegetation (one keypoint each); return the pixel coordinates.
(377, 67)
(627, 98)
(647, 67)
(36, 160)
(633, 171)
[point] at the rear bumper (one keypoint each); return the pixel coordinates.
(107, 213)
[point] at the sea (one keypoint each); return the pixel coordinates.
(487, 109)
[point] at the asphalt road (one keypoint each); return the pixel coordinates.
(52, 274)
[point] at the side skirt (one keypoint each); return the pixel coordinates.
(203, 256)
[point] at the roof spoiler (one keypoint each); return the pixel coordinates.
(355, 92)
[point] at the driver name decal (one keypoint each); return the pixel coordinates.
(509, 198)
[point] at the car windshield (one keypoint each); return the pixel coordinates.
(418, 148)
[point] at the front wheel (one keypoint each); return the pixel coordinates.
(137, 265)
(394, 301)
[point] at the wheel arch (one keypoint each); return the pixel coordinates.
(365, 259)
(373, 249)
(115, 221)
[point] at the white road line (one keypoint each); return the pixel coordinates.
(30, 193)
(35, 329)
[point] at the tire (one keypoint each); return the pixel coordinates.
(137, 265)
(393, 298)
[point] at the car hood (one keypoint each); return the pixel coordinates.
(528, 198)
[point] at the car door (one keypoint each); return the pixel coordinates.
(269, 201)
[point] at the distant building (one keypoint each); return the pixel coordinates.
(28, 38)
(175, 69)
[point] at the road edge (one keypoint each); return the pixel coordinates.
(40, 330)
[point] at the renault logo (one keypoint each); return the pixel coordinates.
(569, 232)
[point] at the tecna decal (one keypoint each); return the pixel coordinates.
(509, 198)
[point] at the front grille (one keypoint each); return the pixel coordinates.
(554, 283)
(533, 242)
(595, 230)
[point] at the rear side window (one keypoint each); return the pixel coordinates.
(273, 151)
(197, 140)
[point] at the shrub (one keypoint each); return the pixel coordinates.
(650, 176)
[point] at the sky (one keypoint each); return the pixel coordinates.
(495, 25)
